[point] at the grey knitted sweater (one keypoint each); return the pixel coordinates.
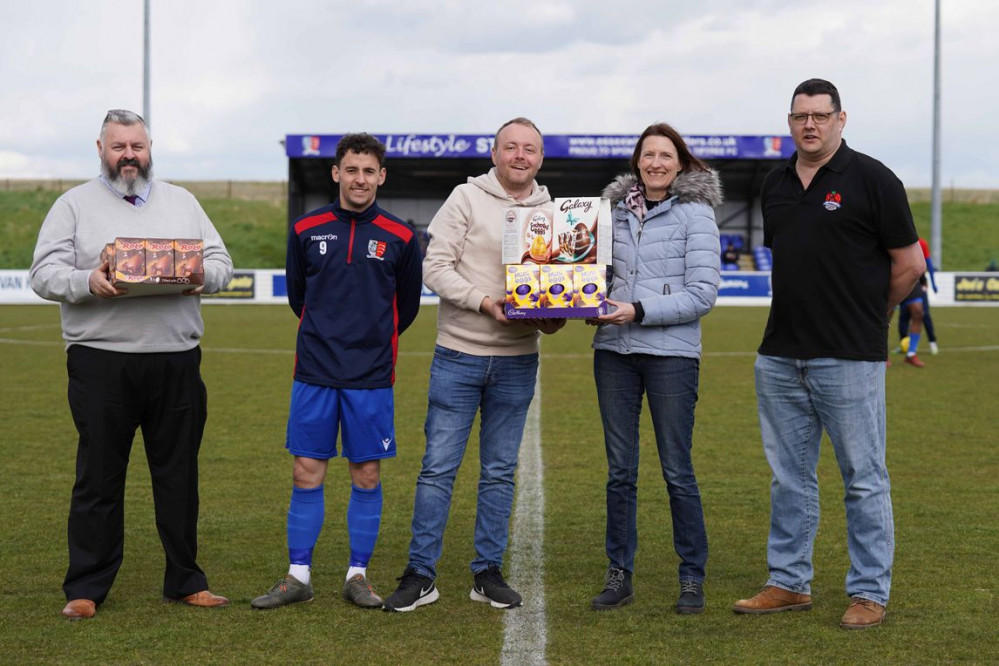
(69, 245)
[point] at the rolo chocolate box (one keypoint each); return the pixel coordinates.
(189, 256)
(155, 266)
(159, 257)
(129, 260)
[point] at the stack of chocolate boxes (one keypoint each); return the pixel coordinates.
(154, 266)
(556, 266)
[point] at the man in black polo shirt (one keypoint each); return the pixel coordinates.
(845, 252)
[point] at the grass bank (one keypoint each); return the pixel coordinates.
(252, 218)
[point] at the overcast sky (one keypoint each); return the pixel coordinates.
(231, 78)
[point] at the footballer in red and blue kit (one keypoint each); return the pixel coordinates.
(354, 277)
(354, 280)
(342, 266)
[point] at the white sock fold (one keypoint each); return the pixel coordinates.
(301, 572)
(353, 571)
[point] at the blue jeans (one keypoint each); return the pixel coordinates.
(797, 400)
(502, 387)
(670, 383)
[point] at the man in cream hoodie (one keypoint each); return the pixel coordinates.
(482, 361)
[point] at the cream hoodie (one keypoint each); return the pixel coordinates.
(464, 265)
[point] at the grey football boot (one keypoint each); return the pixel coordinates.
(288, 590)
(359, 591)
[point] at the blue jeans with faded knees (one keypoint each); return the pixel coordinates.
(461, 384)
(797, 400)
(670, 382)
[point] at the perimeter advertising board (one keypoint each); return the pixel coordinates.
(578, 146)
(982, 288)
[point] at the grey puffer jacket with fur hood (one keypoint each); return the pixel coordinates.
(670, 263)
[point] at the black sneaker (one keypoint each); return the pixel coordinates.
(414, 591)
(691, 599)
(617, 591)
(490, 588)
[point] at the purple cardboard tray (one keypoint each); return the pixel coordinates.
(555, 313)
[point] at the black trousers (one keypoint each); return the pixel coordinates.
(111, 395)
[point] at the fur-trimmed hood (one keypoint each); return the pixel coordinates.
(690, 185)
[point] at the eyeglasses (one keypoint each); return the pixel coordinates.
(820, 118)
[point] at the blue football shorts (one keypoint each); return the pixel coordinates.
(915, 295)
(363, 417)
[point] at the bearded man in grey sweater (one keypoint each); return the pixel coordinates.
(132, 362)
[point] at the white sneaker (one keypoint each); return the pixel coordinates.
(934, 350)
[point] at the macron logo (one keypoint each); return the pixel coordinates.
(387, 442)
(323, 237)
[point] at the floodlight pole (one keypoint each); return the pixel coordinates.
(935, 205)
(145, 63)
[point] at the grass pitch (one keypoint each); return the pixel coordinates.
(942, 454)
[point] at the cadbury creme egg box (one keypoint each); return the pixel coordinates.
(589, 285)
(556, 286)
(523, 286)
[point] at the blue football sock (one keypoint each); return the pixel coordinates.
(913, 343)
(364, 517)
(305, 521)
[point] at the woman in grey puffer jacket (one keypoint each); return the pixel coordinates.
(665, 278)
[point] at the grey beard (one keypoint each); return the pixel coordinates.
(125, 187)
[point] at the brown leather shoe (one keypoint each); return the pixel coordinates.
(80, 609)
(862, 613)
(202, 599)
(774, 600)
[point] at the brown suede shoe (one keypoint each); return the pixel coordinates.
(862, 613)
(80, 609)
(203, 599)
(774, 600)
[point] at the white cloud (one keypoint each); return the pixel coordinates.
(231, 79)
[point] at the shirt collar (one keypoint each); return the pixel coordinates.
(836, 163)
(140, 197)
(363, 216)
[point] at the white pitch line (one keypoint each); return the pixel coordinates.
(31, 327)
(35, 343)
(525, 633)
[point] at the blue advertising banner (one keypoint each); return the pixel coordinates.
(739, 284)
(571, 146)
(279, 285)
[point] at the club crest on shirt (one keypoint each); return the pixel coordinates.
(376, 250)
(833, 201)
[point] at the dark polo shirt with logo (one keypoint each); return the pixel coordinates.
(831, 267)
